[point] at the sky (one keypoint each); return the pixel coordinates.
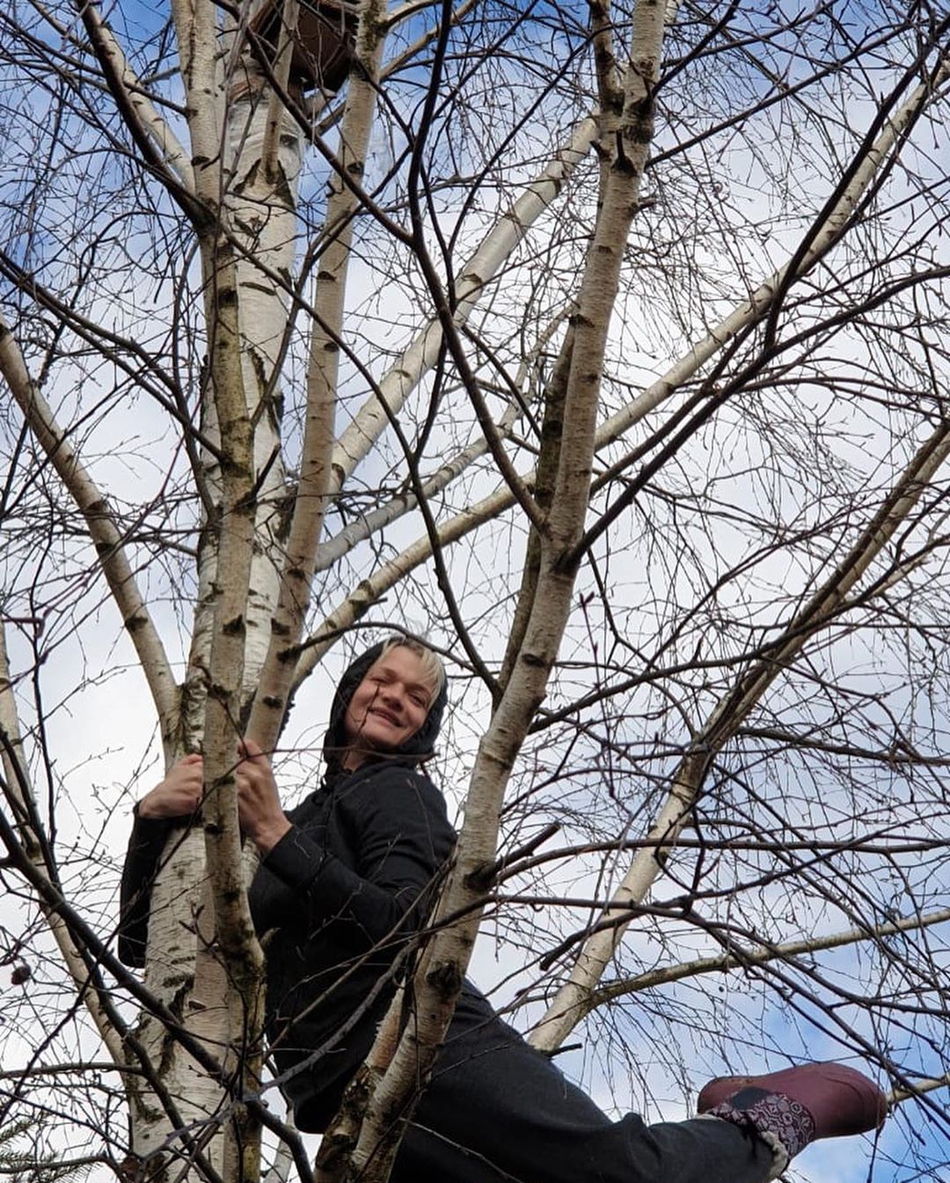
(102, 738)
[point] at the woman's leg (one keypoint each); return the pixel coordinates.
(496, 1111)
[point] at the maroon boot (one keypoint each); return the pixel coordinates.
(790, 1108)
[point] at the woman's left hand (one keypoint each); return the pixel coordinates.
(261, 816)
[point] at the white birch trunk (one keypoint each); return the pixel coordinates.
(255, 210)
(262, 213)
(436, 991)
(288, 610)
(170, 959)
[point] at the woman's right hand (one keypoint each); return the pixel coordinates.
(179, 794)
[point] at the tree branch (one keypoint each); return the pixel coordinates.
(573, 997)
(106, 538)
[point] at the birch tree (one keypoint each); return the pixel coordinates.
(603, 345)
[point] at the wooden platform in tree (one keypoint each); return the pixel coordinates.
(323, 46)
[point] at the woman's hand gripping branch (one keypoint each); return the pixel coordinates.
(179, 794)
(259, 811)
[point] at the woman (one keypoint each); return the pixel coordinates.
(348, 877)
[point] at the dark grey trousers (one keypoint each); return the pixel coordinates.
(497, 1111)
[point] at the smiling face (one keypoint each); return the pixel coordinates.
(389, 705)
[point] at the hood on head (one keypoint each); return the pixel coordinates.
(417, 747)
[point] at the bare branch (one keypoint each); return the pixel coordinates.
(106, 538)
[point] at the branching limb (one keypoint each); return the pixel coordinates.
(359, 438)
(572, 999)
(287, 32)
(21, 800)
(152, 133)
(106, 538)
(663, 976)
(609, 80)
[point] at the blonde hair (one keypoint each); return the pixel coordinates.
(433, 671)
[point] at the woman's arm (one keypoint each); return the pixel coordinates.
(394, 820)
(146, 843)
(156, 815)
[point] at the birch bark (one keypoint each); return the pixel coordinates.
(627, 143)
(293, 595)
(203, 954)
